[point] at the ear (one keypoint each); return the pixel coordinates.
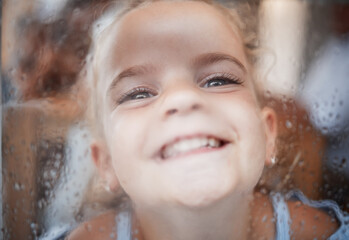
(270, 125)
(103, 162)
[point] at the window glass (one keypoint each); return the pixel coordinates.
(50, 183)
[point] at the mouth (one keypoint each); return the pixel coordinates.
(190, 145)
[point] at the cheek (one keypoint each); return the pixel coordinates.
(253, 151)
(244, 117)
(125, 128)
(125, 133)
(251, 131)
(253, 140)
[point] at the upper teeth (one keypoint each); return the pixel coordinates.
(186, 145)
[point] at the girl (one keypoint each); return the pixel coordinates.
(179, 128)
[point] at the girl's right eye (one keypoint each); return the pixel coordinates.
(137, 94)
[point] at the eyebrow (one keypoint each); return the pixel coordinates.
(211, 58)
(201, 60)
(131, 72)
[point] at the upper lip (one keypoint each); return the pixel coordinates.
(189, 136)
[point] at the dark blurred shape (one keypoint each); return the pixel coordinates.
(50, 55)
(43, 102)
(340, 22)
(325, 96)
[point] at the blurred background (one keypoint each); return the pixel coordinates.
(48, 181)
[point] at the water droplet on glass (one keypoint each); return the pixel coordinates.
(53, 173)
(343, 163)
(267, 94)
(33, 225)
(88, 227)
(264, 219)
(324, 130)
(17, 186)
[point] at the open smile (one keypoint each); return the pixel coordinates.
(191, 145)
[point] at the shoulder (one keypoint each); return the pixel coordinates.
(306, 221)
(101, 227)
(320, 219)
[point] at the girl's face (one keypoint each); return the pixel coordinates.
(181, 120)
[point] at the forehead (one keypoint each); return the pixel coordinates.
(186, 28)
(168, 14)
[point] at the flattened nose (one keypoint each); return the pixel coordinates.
(182, 101)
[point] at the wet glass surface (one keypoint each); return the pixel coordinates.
(48, 178)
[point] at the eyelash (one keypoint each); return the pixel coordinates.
(228, 78)
(133, 92)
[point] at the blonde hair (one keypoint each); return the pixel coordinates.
(247, 29)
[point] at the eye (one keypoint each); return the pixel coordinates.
(137, 94)
(220, 80)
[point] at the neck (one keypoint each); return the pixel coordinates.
(228, 220)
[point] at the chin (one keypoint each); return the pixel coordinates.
(198, 196)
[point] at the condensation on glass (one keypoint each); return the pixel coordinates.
(47, 171)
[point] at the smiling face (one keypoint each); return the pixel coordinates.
(181, 122)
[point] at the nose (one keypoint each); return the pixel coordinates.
(181, 100)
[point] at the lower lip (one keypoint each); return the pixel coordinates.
(195, 152)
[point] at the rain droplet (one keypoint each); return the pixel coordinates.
(343, 163)
(88, 227)
(33, 225)
(324, 130)
(53, 173)
(268, 94)
(264, 218)
(17, 186)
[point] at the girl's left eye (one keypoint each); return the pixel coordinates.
(220, 81)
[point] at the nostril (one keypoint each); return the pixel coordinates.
(195, 106)
(171, 111)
